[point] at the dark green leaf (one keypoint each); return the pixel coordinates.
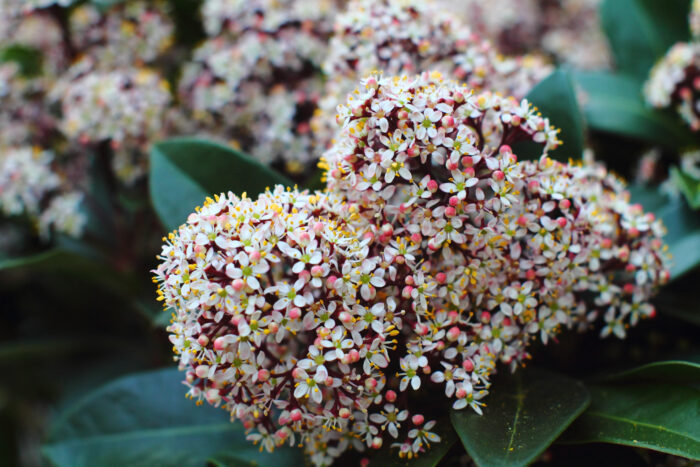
(641, 31)
(184, 171)
(252, 456)
(524, 414)
(685, 308)
(683, 237)
(658, 416)
(28, 58)
(389, 457)
(689, 186)
(555, 98)
(145, 420)
(669, 371)
(614, 104)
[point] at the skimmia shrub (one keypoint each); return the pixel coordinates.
(432, 256)
(399, 232)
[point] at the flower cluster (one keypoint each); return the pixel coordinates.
(130, 33)
(29, 186)
(255, 81)
(567, 29)
(124, 108)
(396, 37)
(675, 82)
(434, 254)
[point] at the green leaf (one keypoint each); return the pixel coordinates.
(641, 31)
(658, 416)
(689, 186)
(29, 59)
(668, 371)
(389, 457)
(144, 420)
(524, 414)
(184, 171)
(555, 98)
(614, 104)
(683, 225)
(251, 456)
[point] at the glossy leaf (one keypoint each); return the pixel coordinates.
(641, 31)
(689, 186)
(524, 414)
(555, 98)
(677, 371)
(184, 171)
(614, 104)
(658, 416)
(28, 59)
(683, 225)
(144, 420)
(389, 457)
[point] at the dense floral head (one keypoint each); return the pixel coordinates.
(433, 256)
(30, 186)
(567, 29)
(128, 33)
(397, 131)
(259, 91)
(232, 17)
(675, 82)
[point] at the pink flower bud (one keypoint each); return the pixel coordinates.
(416, 237)
(254, 256)
(417, 419)
(413, 151)
(202, 371)
(376, 442)
(263, 375)
(453, 334)
(294, 313)
(454, 201)
(450, 211)
(441, 277)
(467, 161)
(345, 317)
(530, 274)
(390, 396)
(522, 221)
(564, 204)
(305, 275)
(344, 413)
(485, 317)
(354, 355)
(468, 365)
(406, 292)
(461, 393)
(237, 285)
(498, 175)
(448, 121)
(432, 186)
(203, 340)
(628, 288)
(295, 415)
(561, 221)
(220, 343)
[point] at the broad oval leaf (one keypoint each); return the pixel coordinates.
(614, 103)
(683, 225)
(641, 31)
(689, 186)
(658, 416)
(389, 457)
(524, 414)
(184, 171)
(555, 98)
(677, 371)
(144, 420)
